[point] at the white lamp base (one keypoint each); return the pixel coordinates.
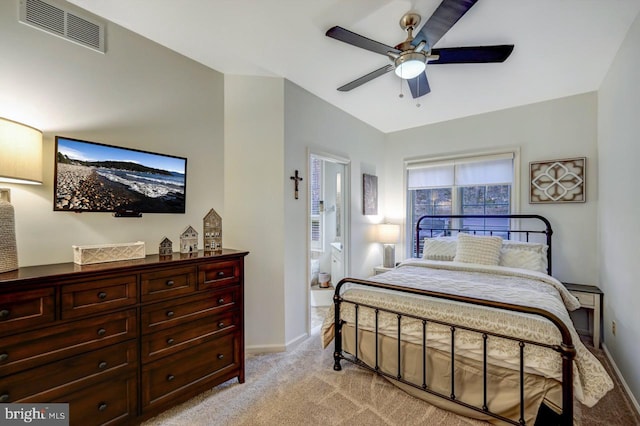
(389, 258)
(8, 248)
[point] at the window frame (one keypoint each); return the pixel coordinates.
(486, 155)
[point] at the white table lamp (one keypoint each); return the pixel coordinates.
(20, 162)
(389, 235)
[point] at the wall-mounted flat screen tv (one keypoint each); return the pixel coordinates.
(93, 177)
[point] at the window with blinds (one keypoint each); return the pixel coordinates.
(316, 196)
(478, 185)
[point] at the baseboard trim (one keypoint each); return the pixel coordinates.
(293, 343)
(634, 401)
(262, 349)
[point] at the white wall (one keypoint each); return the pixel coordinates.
(137, 95)
(254, 201)
(144, 96)
(561, 128)
(270, 124)
(313, 124)
(619, 207)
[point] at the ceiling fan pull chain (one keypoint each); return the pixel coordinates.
(401, 95)
(418, 85)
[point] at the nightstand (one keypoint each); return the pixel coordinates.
(380, 269)
(590, 298)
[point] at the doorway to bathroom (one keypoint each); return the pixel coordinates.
(328, 230)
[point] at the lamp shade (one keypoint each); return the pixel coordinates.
(20, 153)
(388, 233)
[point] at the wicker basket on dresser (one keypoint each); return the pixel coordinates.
(121, 341)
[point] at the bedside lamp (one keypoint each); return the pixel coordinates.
(20, 153)
(20, 162)
(388, 235)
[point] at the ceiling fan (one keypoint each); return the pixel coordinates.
(410, 57)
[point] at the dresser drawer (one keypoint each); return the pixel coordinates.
(98, 296)
(172, 340)
(219, 274)
(170, 313)
(111, 402)
(34, 348)
(45, 382)
(168, 283)
(26, 309)
(586, 300)
(163, 382)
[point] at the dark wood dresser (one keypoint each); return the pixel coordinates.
(121, 341)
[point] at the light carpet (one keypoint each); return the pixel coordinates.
(300, 387)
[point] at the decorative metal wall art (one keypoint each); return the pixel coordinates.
(558, 181)
(369, 194)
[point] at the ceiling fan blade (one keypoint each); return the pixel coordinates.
(471, 55)
(419, 86)
(357, 40)
(445, 16)
(365, 78)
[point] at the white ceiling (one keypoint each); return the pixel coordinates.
(562, 48)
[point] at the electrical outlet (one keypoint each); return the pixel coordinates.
(613, 328)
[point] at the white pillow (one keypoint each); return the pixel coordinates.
(478, 249)
(519, 254)
(439, 248)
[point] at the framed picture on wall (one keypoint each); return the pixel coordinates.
(558, 181)
(369, 194)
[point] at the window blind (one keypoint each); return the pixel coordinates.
(482, 170)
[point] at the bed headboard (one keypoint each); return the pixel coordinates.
(523, 227)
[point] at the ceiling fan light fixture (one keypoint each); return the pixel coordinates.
(410, 65)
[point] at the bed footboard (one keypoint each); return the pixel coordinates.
(565, 350)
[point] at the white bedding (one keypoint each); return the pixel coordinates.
(497, 283)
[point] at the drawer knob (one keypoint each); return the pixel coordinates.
(102, 295)
(4, 314)
(170, 341)
(170, 314)
(170, 378)
(4, 356)
(4, 397)
(102, 332)
(102, 406)
(220, 301)
(220, 324)
(220, 274)
(102, 365)
(220, 356)
(170, 283)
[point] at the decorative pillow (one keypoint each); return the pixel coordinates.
(519, 254)
(482, 250)
(439, 248)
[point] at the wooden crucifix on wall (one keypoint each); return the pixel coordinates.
(296, 180)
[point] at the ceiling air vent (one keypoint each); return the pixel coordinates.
(49, 17)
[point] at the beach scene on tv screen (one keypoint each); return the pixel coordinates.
(95, 177)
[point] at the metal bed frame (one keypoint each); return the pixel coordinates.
(565, 350)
